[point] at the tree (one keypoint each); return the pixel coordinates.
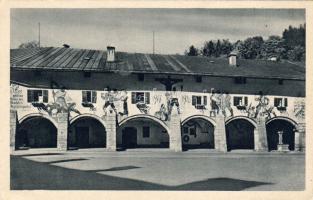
(208, 48)
(294, 36)
(193, 51)
(28, 45)
(251, 47)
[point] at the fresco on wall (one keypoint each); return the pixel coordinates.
(62, 103)
(221, 103)
(263, 108)
(299, 109)
(17, 98)
(117, 100)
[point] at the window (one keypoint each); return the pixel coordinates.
(37, 96)
(89, 96)
(199, 100)
(140, 97)
(145, 131)
(87, 74)
(280, 82)
(198, 79)
(240, 80)
(240, 101)
(280, 102)
(141, 77)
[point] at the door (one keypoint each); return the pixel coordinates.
(129, 138)
(82, 137)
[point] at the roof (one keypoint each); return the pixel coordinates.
(69, 59)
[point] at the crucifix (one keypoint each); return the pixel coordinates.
(168, 82)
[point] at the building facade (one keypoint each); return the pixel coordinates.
(68, 98)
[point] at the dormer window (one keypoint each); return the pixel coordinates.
(240, 102)
(280, 82)
(281, 103)
(240, 80)
(199, 102)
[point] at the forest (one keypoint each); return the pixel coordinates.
(289, 46)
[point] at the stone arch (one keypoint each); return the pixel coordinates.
(197, 132)
(212, 121)
(295, 124)
(28, 116)
(87, 131)
(153, 118)
(289, 128)
(87, 115)
(36, 130)
(240, 133)
(143, 131)
(253, 122)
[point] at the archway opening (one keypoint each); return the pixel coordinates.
(240, 134)
(197, 133)
(142, 133)
(87, 132)
(288, 136)
(36, 132)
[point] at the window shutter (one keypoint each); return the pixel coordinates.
(286, 102)
(45, 96)
(194, 100)
(205, 100)
(147, 97)
(94, 97)
(84, 96)
(246, 101)
(30, 95)
(133, 97)
(236, 101)
(276, 102)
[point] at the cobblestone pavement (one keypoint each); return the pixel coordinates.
(156, 170)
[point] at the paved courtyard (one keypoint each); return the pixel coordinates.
(156, 170)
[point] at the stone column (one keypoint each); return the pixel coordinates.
(175, 128)
(62, 120)
(111, 129)
(260, 137)
(13, 125)
(300, 137)
(220, 134)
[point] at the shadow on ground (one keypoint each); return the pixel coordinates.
(31, 175)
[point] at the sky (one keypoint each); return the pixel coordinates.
(131, 30)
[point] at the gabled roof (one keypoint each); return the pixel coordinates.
(69, 59)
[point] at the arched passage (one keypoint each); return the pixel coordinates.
(36, 131)
(142, 132)
(86, 132)
(198, 133)
(240, 134)
(287, 126)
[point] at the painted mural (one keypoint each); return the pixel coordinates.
(117, 100)
(166, 108)
(221, 103)
(299, 109)
(17, 97)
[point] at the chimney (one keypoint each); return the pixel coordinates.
(110, 54)
(232, 58)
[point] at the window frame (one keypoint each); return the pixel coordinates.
(89, 96)
(31, 95)
(135, 100)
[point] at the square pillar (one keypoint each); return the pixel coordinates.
(260, 136)
(175, 128)
(111, 129)
(62, 119)
(300, 137)
(220, 134)
(13, 125)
